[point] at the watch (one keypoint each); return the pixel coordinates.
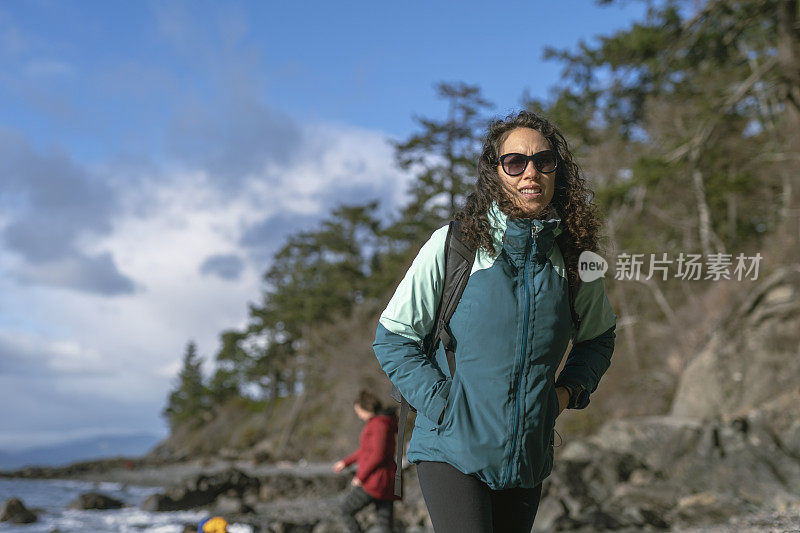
(578, 396)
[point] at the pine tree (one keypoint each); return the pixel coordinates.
(190, 398)
(444, 157)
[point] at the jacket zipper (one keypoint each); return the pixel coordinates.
(521, 357)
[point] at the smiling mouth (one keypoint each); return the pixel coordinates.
(531, 192)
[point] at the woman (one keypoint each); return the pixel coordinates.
(374, 479)
(483, 438)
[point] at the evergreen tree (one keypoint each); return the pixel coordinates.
(232, 364)
(189, 399)
(690, 103)
(316, 277)
(444, 158)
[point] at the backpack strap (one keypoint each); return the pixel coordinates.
(459, 260)
(401, 430)
(458, 265)
(573, 285)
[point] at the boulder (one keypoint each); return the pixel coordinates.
(751, 358)
(95, 500)
(14, 511)
(158, 503)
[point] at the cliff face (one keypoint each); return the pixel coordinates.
(729, 446)
(752, 360)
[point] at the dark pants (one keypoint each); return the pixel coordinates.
(460, 503)
(357, 499)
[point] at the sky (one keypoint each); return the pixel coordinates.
(154, 155)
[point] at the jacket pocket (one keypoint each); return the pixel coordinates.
(452, 398)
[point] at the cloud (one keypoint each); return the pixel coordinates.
(94, 274)
(56, 203)
(226, 266)
(345, 165)
(349, 165)
(222, 124)
(36, 413)
(180, 250)
(165, 241)
(43, 388)
(264, 237)
(23, 355)
(233, 142)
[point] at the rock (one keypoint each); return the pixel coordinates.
(157, 503)
(638, 506)
(14, 511)
(227, 505)
(705, 508)
(325, 526)
(750, 358)
(267, 493)
(632, 473)
(656, 441)
(202, 490)
(95, 500)
(289, 527)
(286, 485)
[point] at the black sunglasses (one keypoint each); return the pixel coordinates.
(514, 164)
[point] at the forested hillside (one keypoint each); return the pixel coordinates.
(687, 127)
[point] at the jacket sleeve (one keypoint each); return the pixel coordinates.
(404, 324)
(378, 450)
(590, 355)
(352, 458)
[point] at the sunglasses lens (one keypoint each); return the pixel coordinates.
(514, 164)
(545, 161)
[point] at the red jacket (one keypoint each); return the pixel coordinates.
(375, 456)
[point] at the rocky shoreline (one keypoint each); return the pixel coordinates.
(726, 458)
(270, 497)
(658, 473)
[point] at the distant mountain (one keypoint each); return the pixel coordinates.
(79, 450)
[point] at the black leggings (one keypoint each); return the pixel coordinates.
(460, 503)
(357, 499)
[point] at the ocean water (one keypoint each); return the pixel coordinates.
(51, 497)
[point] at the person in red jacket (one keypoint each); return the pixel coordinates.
(374, 478)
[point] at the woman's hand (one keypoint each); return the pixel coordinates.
(338, 466)
(563, 398)
(356, 482)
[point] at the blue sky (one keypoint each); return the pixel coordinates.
(154, 154)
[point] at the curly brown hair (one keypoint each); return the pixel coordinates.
(572, 199)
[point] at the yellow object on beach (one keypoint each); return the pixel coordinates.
(215, 525)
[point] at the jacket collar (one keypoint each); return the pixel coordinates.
(512, 235)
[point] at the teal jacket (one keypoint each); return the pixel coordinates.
(495, 417)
